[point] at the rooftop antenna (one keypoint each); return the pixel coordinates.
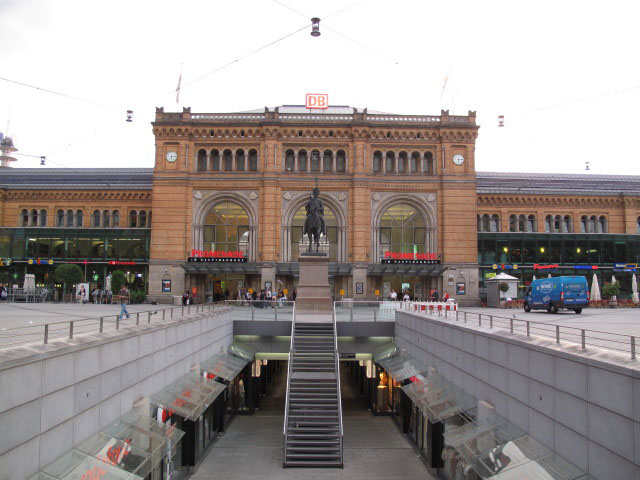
(586, 166)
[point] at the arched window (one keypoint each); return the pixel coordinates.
(486, 223)
(377, 161)
(299, 241)
(389, 162)
(149, 220)
(495, 223)
(548, 223)
(106, 219)
(60, 218)
(227, 160)
(115, 218)
(513, 223)
(69, 218)
(557, 223)
(79, 218)
(96, 219)
(567, 226)
(427, 165)
(602, 224)
(42, 219)
(593, 224)
(226, 227)
(202, 160)
(402, 229)
(215, 160)
(522, 223)
(531, 224)
(289, 161)
(33, 221)
(142, 219)
(638, 225)
(315, 161)
(253, 161)
(402, 162)
(584, 224)
(415, 162)
(302, 160)
(240, 165)
(133, 219)
(327, 161)
(24, 218)
(341, 161)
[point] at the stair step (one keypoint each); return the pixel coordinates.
(313, 455)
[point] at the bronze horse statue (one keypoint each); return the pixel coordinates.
(314, 225)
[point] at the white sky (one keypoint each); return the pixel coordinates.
(504, 57)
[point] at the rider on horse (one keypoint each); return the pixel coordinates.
(315, 211)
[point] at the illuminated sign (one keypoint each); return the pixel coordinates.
(553, 266)
(121, 262)
(625, 267)
(504, 266)
(414, 258)
(5, 262)
(40, 261)
(217, 260)
(222, 256)
(317, 100)
(586, 267)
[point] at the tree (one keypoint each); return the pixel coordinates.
(117, 281)
(503, 287)
(68, 274)
(611, 290)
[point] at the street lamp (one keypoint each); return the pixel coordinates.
(315, 27)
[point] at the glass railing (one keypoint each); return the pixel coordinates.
(262, 310)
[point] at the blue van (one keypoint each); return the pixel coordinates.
(551, 294)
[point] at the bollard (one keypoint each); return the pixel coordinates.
(70, 329)
(528, 329)
(163, 312)
(101, 324)
(557, 333)
(490, 321)
(633, 347)
(149, 316)
(456, 315)
(117, 322)
(46, 333)
(479, 319)
(511, 325)
(138, 318)
(465, 317)
(584, 339)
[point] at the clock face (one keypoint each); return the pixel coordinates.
(458, 159)
(172, 157)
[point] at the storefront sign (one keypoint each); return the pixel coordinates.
(217, 253)
(40, 261)
(415, 258)
(5, 262)
(347, 355)
(217, 260)
(553, 266)
(317, 100)
(586, 267)
(504, 266)
(166, 285)
(625, 267)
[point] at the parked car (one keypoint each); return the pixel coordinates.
(554, 293)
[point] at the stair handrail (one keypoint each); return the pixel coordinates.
(337, 370)
(289, 369)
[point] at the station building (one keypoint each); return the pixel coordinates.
(223, 209)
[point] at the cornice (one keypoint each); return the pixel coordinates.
(549, 201)
(48, 196)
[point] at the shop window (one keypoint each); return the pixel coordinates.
(428, 166)
(567, 227)
(115, 218)
(389, 162)
(226, 227)
(240, 165)
(289, 161)
(227, 160)
(315, 161)
(513, 223)
(377, 161)
(42, 218)
(106, 219)
(69, 218)
(302, 160)
(215, 160)
(415, 162)
(531, 224)
(24, 218)
(584, 224)
(341, 161)
(253, 161)
(495, 223)
(79, 218)
(602, 224)
(402, 162)
(133, 219)
(402, 229)
(202, 161)
(142, 219)
(59, 218)
(327, 161)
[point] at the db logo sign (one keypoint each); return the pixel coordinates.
(317, 100)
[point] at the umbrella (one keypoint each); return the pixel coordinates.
(534, 277)
(613, 279)
(107, 286)
(549, 276)
(634, 288)
(595, 289)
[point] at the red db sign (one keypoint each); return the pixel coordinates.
(317, 100)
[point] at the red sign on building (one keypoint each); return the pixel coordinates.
(317, 100)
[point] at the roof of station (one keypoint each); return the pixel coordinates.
(75, 178)
(331, 110)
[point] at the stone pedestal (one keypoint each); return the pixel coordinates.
(313, 294)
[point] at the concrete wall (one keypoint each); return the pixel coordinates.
(54, 400)
(586, 409)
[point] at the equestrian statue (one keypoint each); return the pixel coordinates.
(314, 225)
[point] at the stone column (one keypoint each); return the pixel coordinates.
(296, 166)
(334, 162)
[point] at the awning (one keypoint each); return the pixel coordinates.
(169, 431)
(119, 453)
(335, 268)
(152, 443)
(406, 269)
(243, 351)
(76, 464)
(189, 396)
(402, 366)
(438, 398)
(383, 352)
(222, 267)
(224, 365)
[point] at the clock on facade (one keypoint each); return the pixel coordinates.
(458, 159)
(172, 157)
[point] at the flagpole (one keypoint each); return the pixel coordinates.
(178, 89)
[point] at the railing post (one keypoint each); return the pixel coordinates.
(253, 313)
(528, 328)
(149, 316)
(351, 314)
(375, 314)
(138, 318)
(70, 329)
(511, 325)
(446, 313)
(490, 321)
(182, 314)
(101, 324)
(557, 333)
(117, 322)
(633, 347)
(457, 315)
(164, 310)
(171, 312)
(584, 338)
(276, 313)
(465, 317)
(46, 333)
(479, 319)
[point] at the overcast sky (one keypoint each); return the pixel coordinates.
(565, 74)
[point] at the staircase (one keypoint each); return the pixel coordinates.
(313, 417)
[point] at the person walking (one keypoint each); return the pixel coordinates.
(124, 300)
(185, 297)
